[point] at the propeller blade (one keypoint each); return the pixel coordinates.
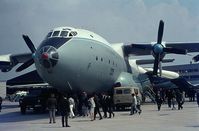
(29, 43)
(160, 32)
(25, 65)
(196, 58)
(160, 68)
(175, 50)
(156, 63)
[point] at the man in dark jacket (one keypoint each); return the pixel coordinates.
(0, 103)
(110, 106)
(97, 107)
(104, 104)
(64, 107)
(159, 101)
(197, 96)
(52, 103)
(179, 99)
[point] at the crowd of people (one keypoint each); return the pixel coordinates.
(172, 97)
(84, 105)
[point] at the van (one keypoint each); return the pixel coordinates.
(122, 96)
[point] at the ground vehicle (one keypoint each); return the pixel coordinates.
(36, 99)
(122, 96)
(17, 96)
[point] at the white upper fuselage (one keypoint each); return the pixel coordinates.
(85, 61)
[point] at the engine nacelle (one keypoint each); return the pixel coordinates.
(125, 79)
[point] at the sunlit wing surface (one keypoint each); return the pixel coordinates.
(7, 62)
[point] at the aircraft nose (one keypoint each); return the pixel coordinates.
(44, 56)
(48, 56)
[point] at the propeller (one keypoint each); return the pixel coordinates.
(160, 32)
(29, 43)
(32, 49)
(25, 65)
(159, 50)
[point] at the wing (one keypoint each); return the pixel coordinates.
(183, 84)
(7, 62)
(146, 49)
(189, 46)
(137, 49)
(26, 79)
(167, 83)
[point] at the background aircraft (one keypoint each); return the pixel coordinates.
(76, 60)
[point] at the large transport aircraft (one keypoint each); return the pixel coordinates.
(72, 59)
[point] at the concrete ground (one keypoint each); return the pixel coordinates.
(150, 120)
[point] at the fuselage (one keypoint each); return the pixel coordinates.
(79, 60)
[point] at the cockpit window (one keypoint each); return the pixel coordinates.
(70, 34)
(73, 33)
(64, 33)
(45, 49)
(49, 34)
(56, 33)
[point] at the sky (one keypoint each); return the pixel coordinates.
(115, 20)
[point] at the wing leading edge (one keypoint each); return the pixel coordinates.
(7, 62)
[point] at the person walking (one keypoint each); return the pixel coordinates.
(133, 104)
(92, 107)
(169, 97)
(84, 104)
(1, 103)
(97, 107)
(72, 105)
(52, 103)
(158, 101)
(110, 106)
(179, 99)
(173, 99)
(138, 104)
(64, 107)
(104, 104)
(197, 96)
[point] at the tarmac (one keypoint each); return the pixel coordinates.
(149, 120)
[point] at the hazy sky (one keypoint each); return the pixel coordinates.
(115, 20)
